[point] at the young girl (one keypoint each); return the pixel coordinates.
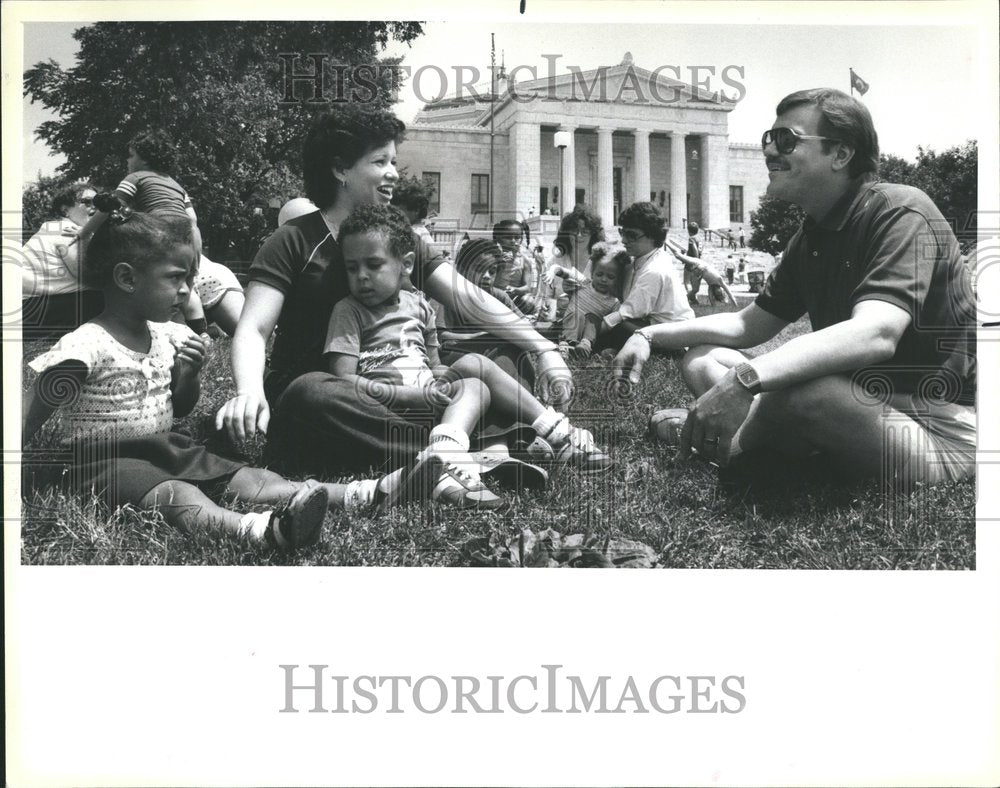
(119, 380)
(382, 339)
(459, 334)
(593, 299)
(517, 275)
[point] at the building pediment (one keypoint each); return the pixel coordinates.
(624, 84)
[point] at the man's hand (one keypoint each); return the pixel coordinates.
(630, 360)
(553, 378)
(243, 416)
(714, 419)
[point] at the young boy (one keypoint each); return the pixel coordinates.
(383, 337)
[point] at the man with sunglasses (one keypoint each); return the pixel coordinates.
(886, 381)
(54, 300)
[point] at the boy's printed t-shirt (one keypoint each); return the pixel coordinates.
(390, 341)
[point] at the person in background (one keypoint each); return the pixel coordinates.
(593, 300)
(412, 200)
(295, 207)
(460, 334)
(517, 275)
(54, 298)
(692, 271)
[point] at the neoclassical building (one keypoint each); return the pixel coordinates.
(629, 134)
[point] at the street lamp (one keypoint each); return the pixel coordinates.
(561, 140)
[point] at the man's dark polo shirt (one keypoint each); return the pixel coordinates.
(887, 242)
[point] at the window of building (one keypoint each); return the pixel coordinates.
(480, 193)
(433, 179)
(581, 196)
(736, 204)
(543, 199)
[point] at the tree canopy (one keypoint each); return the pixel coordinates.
(218, 88)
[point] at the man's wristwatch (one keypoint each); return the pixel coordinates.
(747, 377)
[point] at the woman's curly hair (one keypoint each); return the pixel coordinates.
(580, 215)
(339, 139)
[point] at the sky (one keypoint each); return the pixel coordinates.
(923, 81)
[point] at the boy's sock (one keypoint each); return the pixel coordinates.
(360, 494)
(254, 525)
(460, 483)
(556, 429)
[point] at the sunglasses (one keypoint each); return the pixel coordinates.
(87, 201)
(786, 139)
(629, 234)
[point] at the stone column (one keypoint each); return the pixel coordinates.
(524, 162)
(567, 197)
(605, 203)
(678, 179)
(641, 165)
(715, 180)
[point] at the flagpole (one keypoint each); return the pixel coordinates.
(493, 94)
(850, 79)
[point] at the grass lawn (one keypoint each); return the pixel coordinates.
(769, 513)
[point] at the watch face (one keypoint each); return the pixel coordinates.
(747, 375)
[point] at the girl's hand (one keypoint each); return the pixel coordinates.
(243, 415)
(551, 273)
(192, 352)
(582, 350)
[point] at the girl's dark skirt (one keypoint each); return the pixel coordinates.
(125, 470)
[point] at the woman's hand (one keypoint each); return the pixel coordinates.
(553, 379)
(243, 416)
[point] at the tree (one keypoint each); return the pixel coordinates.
(218, 88)
(773, 224)
(949, 178)
(893, 169)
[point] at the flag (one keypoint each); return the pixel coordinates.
(858, 84)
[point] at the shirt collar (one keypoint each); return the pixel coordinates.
(841, 211)
(637, 261)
